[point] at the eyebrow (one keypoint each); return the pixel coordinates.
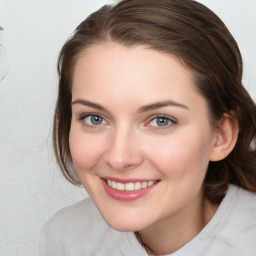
(145, 108)
(88, 104)
(161, 104)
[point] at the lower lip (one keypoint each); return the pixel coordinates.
(126, 196)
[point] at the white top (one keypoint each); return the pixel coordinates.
(80, 230)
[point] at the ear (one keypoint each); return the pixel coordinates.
(225, 138)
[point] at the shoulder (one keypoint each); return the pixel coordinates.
(243, 213)
(80, 229)
(73, 230)
(242, 206)
(236, 227)
(231, 231)
(79, 217)
(85, 207)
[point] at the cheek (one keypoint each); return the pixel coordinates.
(85, 151)
(182, 155)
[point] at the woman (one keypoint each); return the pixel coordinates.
(152, 119)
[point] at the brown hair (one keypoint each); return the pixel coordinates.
(200, 39)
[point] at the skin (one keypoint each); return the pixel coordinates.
(129, 143)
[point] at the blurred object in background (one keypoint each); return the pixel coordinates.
(3, 56)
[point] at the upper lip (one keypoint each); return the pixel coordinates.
(124, 181)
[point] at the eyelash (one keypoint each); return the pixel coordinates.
(82, 118)
(171, 121)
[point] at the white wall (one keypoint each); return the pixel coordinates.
(31, 188)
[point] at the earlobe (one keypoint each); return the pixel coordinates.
(225, 139)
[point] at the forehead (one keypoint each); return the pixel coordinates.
(138, 74)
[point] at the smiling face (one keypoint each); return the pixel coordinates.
(140, 135)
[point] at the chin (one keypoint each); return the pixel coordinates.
(124, 225)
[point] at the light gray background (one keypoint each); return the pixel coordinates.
(31, 187)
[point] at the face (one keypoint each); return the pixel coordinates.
(140, 135)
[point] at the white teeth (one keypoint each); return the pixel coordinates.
(137, 186)
(150, 183)
(120, 186)
(144, 184)
(131, 186)
(113, 184)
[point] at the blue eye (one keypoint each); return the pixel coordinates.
(94, 120)
(161, 121)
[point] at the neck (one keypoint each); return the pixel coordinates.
(173, 233)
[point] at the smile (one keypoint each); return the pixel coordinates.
(127, 190)
(131, 186)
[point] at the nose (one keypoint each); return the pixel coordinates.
(123, 151)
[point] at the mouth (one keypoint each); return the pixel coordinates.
(127, 190)
(130, 186)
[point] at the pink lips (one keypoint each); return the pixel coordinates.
(125, 195)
